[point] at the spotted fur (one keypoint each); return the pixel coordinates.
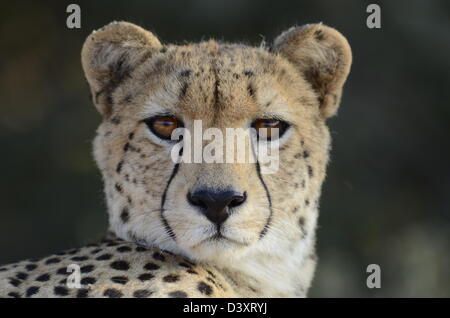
(160, 244)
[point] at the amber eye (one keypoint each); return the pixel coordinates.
(270, 129)
(163, 126)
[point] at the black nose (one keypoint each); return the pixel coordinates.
(216, 205)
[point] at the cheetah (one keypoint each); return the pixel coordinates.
(181, 229)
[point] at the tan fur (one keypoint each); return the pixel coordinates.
(133, 77)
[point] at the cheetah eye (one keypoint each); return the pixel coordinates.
(163, 126)
(270, 129)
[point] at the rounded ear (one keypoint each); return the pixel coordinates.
(110, 54)
(323, 56)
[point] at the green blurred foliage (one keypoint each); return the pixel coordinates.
(385, 201)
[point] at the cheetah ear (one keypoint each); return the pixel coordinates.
(109, 56)
(323, 56)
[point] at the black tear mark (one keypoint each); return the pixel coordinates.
(163, 201)
(269, 199)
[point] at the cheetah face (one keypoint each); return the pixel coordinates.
(213, 211)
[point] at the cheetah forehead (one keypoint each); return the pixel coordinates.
(217, 82)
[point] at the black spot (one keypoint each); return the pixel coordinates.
(131, 135)
(119, 280)
(307, 202)
(4, 269)
(163, 50)
(119, 166)
(310, 171)
(53, 260)
(178, 294)
(141, 293)
(251, 90)
(204, 288)
(22, 276)
(73, 251)
(14, 282)
(113, 293)
(88, 280)
(125, 216)
(318, 35)
(215, 283)
(305, 154)
(248, 73)
(82, 293)
(211, 273)
(141, 249)
(118, 188)
(151, 266)
(171, 278)
(123, 249)
(186, 73)
(62, 271)
(43, 278)
(14, 295)
(158, 256)
(295, 209)
(30, 267)
(184, 89)
(184, 265)
(120, 265)
(115, 120)
(63, 281)
(87, 268)
(146, 276)
(32, 291)
(61, 291)
(104, 257)
(60, 253)
(126, 147)
(236, 76)
(191, 271)
(79, 258)
(301, 222)
(96, 251)
(298, 156)
(127, 98)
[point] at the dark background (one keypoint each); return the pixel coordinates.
(386, 198)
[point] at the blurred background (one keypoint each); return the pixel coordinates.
(386, 200)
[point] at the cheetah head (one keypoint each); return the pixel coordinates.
(216, 212)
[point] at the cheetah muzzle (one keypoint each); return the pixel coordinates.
(180, 229)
